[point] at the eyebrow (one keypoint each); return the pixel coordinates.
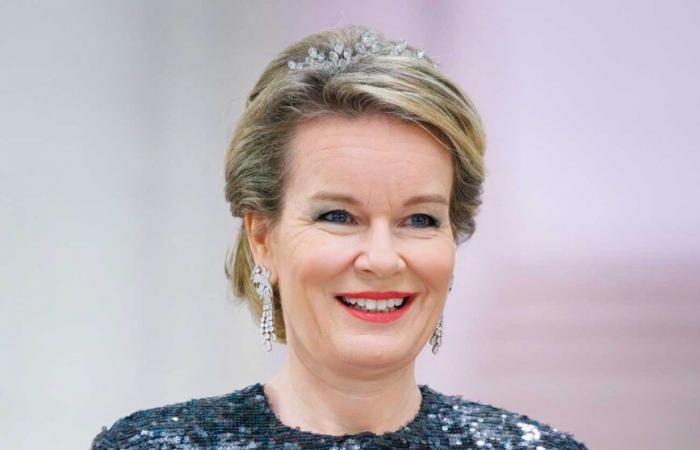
(349, 199)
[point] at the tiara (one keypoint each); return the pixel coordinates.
(339, 56)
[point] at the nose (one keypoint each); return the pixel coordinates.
(379, 255)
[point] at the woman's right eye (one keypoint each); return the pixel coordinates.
(335, 216)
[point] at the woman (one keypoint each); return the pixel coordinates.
(357, 169)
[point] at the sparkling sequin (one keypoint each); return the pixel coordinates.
(244, 419)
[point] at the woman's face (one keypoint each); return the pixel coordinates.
(366, 213)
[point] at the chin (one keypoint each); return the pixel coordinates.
(372, 351)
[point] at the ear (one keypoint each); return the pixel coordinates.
(259, 233)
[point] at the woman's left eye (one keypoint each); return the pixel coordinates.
(423, 221)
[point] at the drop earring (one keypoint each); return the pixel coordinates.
(261, 281)
(436, 339)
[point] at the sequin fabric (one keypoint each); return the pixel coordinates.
(243, 419)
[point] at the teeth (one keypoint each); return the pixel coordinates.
(368, 304)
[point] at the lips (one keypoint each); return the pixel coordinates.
(376, 307)
(376, 295)
(375, 301)
(368, 304)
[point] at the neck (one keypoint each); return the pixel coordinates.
(324, 401)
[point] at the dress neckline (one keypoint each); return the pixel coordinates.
(408, 427)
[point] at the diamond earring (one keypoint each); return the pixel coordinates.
(261, 282)
(436, 338)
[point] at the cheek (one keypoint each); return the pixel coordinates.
(309, 272)
(310, 264)
(433, 262)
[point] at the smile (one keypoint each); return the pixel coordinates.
(369, 305)
(377, 307)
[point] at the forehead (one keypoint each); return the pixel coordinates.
(366, 154)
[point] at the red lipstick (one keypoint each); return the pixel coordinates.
(378, 316)
(375, 295)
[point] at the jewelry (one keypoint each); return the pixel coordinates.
(436, 339)
(339, 56)
(261, 281)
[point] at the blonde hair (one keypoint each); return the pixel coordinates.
(403, 87)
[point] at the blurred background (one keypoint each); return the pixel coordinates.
(576, 302)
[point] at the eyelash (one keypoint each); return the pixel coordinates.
(433, 222)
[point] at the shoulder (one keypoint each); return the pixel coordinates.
(196, 422)
(489, 426)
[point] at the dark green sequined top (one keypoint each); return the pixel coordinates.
(243, 419)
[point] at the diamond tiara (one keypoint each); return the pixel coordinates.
(339, 56)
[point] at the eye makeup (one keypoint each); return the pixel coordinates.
(342, 216)
(334, 216)
(428, 220)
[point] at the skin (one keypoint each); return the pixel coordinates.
(343, 375)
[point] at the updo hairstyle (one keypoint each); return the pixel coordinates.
(402, 87)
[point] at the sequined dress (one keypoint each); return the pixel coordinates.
(244, 419)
